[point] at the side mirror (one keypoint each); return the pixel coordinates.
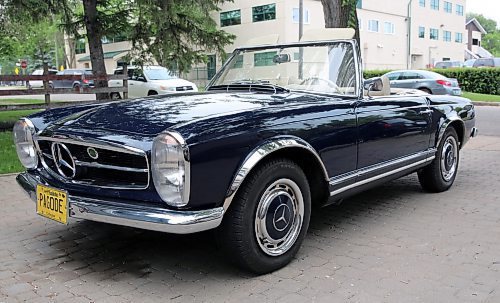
(142, 79)
(281, 58)
(373, 85)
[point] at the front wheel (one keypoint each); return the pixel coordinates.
(440, 174)
(268, 219)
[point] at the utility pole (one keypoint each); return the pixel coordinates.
(301, 31)
(408, 55)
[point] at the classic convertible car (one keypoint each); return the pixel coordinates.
(280, 128)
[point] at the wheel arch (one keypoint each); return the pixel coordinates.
(294, 148)
(459, 126)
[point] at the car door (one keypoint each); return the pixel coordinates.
(392, 131)
(137, 86)
(409, 80)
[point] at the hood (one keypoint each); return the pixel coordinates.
(172, 82)
(152, 115)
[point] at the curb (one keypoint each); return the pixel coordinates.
(483, 103)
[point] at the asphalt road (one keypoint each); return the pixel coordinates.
(488, 120)
(394, 243)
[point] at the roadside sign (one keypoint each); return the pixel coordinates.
(16, 71)
(24, 64)
(61, 68)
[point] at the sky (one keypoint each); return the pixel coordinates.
(489, 8)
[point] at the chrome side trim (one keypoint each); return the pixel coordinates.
(365, 181)
(96, 144)
(145, 217)
(105, 166)
(262, 151)
(364, 171)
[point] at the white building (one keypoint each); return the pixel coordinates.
(395, 34)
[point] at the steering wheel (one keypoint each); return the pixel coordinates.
(330, 83)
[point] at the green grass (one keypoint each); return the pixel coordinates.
(20, 101)
(14, 115)
(481, 97)
(8, 156)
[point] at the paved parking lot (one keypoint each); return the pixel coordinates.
(391, 244)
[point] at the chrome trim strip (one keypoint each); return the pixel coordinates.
(257, 154)
(150, 218)
(105, 166)
(96, 144)
(374, 178)
(364, 171)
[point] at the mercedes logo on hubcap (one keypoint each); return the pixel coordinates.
(63, 160)
(282, 218)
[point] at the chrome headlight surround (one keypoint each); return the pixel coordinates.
(23, 133)
(170, 166)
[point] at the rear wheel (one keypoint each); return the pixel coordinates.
(440, 174)
(152, 93)
(426, 90)
(76, 87)
(268, 219)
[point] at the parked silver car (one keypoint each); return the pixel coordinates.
(448, 64)
(427, 81)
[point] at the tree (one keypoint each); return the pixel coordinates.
(489, 25)
(177, 33)
(341, 14)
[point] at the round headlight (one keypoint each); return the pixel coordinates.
(170, 168)
(23, 138)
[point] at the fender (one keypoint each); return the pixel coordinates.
(260, 152)
(444, 125)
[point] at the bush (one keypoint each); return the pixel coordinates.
(474, 80)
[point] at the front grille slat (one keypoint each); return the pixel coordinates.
(114, 166)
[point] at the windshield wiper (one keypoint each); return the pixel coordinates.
(249, 85)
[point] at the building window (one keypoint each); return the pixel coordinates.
(448, 7)
(460, 10)
(389, 28)
(434, 34)
(264, 59)
(476, 42)
(459, 37)
(373, 26)
(295, 15)
(421, 32)
(435, 4)
(422, 3)
(359, 4)
(264, 12)
(447, 36)
(80, 46)
(230, 18)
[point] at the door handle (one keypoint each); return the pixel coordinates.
(427, 111)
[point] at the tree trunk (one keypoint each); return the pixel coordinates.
(341, 14)
(94, 36)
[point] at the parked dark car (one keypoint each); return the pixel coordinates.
(487, 62)
(279, 129)
(76, 84)
(427, 81)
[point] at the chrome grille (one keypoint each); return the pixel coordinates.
(115, 166)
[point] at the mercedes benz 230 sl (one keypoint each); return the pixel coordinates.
(280, 128)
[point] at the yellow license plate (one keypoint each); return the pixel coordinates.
(52, 203)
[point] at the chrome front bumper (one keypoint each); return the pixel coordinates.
(151, 218)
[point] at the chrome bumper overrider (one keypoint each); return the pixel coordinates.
(473, 132)
(145, 217)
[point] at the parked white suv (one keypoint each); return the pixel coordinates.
(150, 80)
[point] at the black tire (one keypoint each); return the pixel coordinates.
(265, 190)
(115, 96)
(152, 93)
(76, 87)
(426, 90)
(440, 174)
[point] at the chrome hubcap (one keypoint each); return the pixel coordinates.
(279, 217)
(449, 158)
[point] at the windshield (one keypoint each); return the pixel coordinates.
(327, 68)
(159, 74)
